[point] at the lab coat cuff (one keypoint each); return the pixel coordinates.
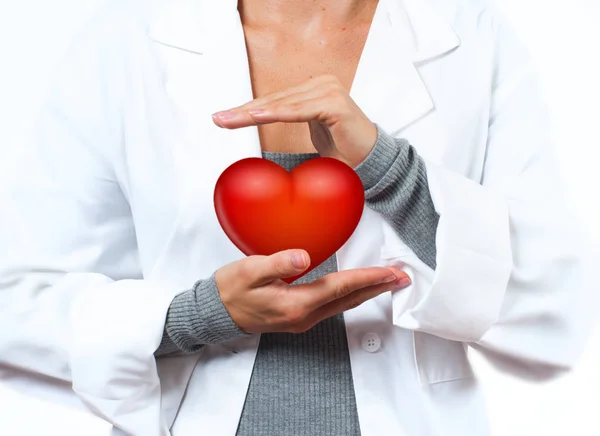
(462, 298)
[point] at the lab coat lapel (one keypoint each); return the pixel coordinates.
(388, 86)
(207, 71)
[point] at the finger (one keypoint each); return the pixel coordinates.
(321, 83)
(300, 111)
(357, 298)
(245, 117)
(321, 109)
(276, 96)
(270, 98)
(261, 270)
(319, 86)
(325, 104)
(339, 285)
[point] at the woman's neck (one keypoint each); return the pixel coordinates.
(302, 14)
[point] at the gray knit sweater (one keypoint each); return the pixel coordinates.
(301, 384)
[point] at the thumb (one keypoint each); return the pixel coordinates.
(281, 265)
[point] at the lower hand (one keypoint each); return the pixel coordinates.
(259, 302)
(338, 128)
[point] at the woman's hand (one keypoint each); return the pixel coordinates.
(259, 302)
(338, 128)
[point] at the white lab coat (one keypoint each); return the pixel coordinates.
(112, 216)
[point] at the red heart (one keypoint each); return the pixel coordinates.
(264, 209)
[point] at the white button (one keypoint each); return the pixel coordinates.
(371, 342)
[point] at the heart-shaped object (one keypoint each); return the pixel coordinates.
(264, 209)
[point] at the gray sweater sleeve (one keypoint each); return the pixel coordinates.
(195, 318)
(395, 182)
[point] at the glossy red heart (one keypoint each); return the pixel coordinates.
(264, 209)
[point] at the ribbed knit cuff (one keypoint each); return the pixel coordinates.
(380, 160)
(198, 317)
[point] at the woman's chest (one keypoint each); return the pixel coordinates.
(279, 64)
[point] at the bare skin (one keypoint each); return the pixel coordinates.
(291, 42)
(303, 57)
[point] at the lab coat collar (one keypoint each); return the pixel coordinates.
(195, 25)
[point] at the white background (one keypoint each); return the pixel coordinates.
(564, 37)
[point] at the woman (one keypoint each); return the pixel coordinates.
(120, 289)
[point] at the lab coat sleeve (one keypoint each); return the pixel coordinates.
(74, 307)
(512, 275)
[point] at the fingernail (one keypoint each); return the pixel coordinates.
(298, 260)
(217, 120)
(388, 279)
(403, 283)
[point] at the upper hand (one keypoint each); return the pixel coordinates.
(338, 128)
